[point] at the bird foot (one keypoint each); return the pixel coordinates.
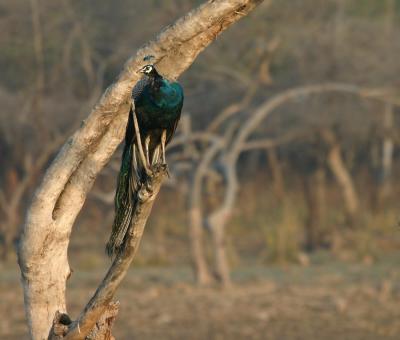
(149, 171)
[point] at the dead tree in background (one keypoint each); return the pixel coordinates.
(211, 146)
(23, 172)
(387, 152)
(342, 175)
(11, 200)
(196, 214)
(44, 243)
(315, 200)
(240, 143)
(311, 158)
(275, 168)
(388, 115)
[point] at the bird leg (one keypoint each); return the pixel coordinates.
(134, 161)
(139, 144)
(163, 140)
(146, 145)
(156, 155)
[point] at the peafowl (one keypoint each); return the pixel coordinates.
(151, 125)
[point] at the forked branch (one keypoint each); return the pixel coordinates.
(101, 300)
(44, 242)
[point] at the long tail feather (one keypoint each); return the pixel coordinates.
(129, 179)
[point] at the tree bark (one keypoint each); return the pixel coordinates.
(218, 220)
(203, 276)
(276, 173)
(240, 143)
(342, 176)
(217, 223)
(387, 153)
(314, 190)
(45, 238)
(202, 273)
(388, 119)
(101, 300)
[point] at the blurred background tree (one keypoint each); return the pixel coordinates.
(324, 179)
(303, 214)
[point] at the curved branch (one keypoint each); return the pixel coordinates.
(220, 216)
(273, 103)
(44, 241)
(234, 108)
(203, 276)
(268, 143)
(194, 137)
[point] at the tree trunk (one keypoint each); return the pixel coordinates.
(45, 238)
(314, 189)
(276, 174)
(342, 176)
(217, 224)
(202, 273)
(90, 320)
(388, 119)
(387, 152)
(219, 218)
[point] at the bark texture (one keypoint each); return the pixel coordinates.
(203, 276)
(342, 175)
(90, 319)
(56, 203)
(240, 143)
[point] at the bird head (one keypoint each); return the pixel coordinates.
(149, 70)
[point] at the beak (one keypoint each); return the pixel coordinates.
(140, 71)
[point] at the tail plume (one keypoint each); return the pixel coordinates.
(129, 179)
(131, 176)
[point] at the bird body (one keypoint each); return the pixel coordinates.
(157, 108)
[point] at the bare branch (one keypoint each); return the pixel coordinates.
(220, 216)
(271, 143)
(273, 103)
(342, 174)
(104, 294)
(196, 215)
(44, 242)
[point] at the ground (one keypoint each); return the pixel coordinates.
(320, 301)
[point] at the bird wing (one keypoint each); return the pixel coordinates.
(139, 87)
(172, 131)
(179, 109)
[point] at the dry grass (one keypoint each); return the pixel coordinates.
(322, 301)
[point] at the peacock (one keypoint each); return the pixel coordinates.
(151, 125)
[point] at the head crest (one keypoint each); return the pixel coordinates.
(148, 57)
